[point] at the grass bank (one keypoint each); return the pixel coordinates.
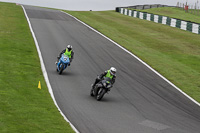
(23, 107)
(174, 12)
(172, 52)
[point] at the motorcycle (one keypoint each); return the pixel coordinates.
(101, 88)
(62, 63)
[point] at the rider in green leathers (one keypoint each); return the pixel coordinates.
(111, 73)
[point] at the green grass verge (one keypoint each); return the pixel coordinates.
(174, 12)
(172, 52)
(23, 107)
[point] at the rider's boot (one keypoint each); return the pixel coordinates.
(57, 60)
(92, 86)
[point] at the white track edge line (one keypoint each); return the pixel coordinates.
(45, 73)
(137, 59)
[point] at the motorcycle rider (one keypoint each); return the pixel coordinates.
(111, 73)
(69, 52)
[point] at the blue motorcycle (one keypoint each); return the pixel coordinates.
(62, 63)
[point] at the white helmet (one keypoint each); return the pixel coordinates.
(69, 47)
(113, 71)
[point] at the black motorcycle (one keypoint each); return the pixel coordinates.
(101, 88)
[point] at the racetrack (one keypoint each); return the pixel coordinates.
(140, 101)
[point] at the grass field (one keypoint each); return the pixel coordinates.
(174, 12)
(23, 107)
(174, 53)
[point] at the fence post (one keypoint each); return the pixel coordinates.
(177, 5)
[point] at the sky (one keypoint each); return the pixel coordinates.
(95, 5)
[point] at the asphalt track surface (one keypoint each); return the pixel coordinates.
(140, 101)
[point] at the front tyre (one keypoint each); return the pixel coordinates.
(61, 68)
(100, 94)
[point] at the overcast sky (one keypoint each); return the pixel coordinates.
(96, 5)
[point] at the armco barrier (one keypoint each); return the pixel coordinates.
(141, 7)
(181, 24)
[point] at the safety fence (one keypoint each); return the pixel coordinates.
(142, 7)
(173, 22)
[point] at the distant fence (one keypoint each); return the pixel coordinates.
(173, 22)
(141, 7)
(190, 8)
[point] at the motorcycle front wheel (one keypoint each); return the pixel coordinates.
(100, 94)
(61, 68)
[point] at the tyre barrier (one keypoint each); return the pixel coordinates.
(173, 22)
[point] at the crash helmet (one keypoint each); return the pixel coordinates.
(69, 47)
(113, 71)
